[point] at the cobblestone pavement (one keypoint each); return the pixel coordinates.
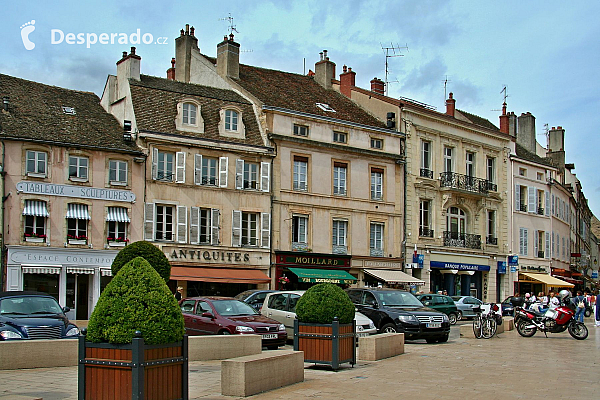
(505, 367)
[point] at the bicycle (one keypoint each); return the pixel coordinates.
(485, 325)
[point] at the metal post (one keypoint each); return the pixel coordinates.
(335, 343)
(296, 327)
(81, 366)
(354, 342)
(137, 368)
(185, 369)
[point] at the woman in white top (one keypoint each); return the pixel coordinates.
(553, 302)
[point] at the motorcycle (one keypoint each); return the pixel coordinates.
(528, 321)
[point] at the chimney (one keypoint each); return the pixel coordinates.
(228, 58)
(347, 81)
(556, 139)
(377, 86)
(504, 120)
(128, 67)
(450, 105)
(324, 71)
(184, 44)
(526, 132)
(171, 71)
(512, 124)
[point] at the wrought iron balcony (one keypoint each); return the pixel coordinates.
(467, 240)
(491, 240)
(540, 210)
(426, 232)
(464, 182)
(426, 173)
(523, 207)
(492, 187)
(540, 254)
(376, 252)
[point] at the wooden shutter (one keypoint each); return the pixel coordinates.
(547, 204)
(154, 163)
(214, 226)
(547, 245)
(149, 221)
(531, 199)
(195, 224)
(553, 205)
(223, 171)
(265, 230)
(180, 169)
(265, 173)
(182, 224)
(239, 174)
(236, 228)
(518, 197)
(535, 243)
(198, 169)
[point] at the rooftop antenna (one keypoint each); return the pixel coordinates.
(392, 51)
(547, 134)
(505, 96)
(231, 27)
(446, 86)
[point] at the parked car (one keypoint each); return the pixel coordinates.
(394, 310)
(253, 297)
(466, 306)
(281, 306)
(441, 303)
(214, 315)
(508, 309)
(33, 315)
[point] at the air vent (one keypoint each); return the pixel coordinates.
(69, 110)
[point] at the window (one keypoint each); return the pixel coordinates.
(448, 161)
(249, 229)
(78, 168)
(164, 164)
(376, 240)
(470, 164)
(426, 155)
(189, 114)
(35, 213)
(522, 172)
(340, 137)
(247, 226)
(117, 172)
(340, 231)
(300, 130)
(491, 227)
(231, 120)
(523, 233)
(339, 178)
(205, 225)
(300, 173)
(164, 223)
(209, 171)
(540, 202)
(540, 176)
(425, 218)
(538, 243)
(247, 175)
(118, 220)
(250, 176)
(325, 107)
(77, 229)
(377, 144)
(36, 163)
(521, 198)
(491, 169)
(456, 222)
(376, 184)
(300, 229)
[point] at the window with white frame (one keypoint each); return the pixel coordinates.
(165, 223)
(340, 137)
(164, 165)
(425, 218)
(456, 222)
(340, 171)
(376, 184)
(339, 235)
(523, 239)
(209, 171)
(35, 213)
(377, 144)
(231, 120)
(117, 223)
(77, 222)
(300, 178)
(204, 225)
(426, 155)
(231, 123)
(491, 227)
(78, 168)
(491, 169)
(448, 159)
(189, 114)
(251, 229)
(300, 229)
(470, 164)
(117, 172)
(36, 164)
(248, 178)
(300, 130)
(250, 175)
(376, 239)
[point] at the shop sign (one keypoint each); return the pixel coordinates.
(513, 261)
(383, 264)
(459, 266)
(215, 256)
(533, 268)
(594, 274)
(82, 192)
(513, 269)
(65, 257)
(321, 261)
(501, 267)
(418, 259)
(327, 280)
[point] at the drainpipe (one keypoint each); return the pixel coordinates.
(403, 154)
(3, 285)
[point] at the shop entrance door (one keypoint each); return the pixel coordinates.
(78, 295)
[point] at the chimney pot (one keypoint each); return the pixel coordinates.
(133, 51)
(231, 36)
(559, 127)
(377, 86)
(181, 33)
(349, 69)
(345, 69)
(192, 31)
(450, 105)
(124, 54)
(325, 53)
(173, 62)
(321, 56)
(187, 29)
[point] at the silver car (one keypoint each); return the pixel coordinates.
(466, 305)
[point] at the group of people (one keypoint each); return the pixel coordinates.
(579, 303)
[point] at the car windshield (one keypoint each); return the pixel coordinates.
(243, 295)
(230, 308)
(29, 305)
(398, 299)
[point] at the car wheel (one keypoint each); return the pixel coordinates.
(453, 318)
(443, 339)
(224, 332)
(272, 347)
(389, 328)
(459, 316)
(431, 340)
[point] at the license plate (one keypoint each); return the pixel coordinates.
(362, 334)
(270, 336)
(434, 325)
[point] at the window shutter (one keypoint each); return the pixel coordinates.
(236, 228)
(552, 204)
(517, 197)
(214, 228)
(195, 224)
(154, 163)
(265, 229)
(547, 245)
(223, 171)
(180, 161)
(182, 224)
(531, 198)
(149, 221)
(198, 169)
(239, 174)
(547, 204)
(521, 241)
(265, 173)
(535, 243)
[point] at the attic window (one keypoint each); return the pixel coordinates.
(69, 110)
(325, 107)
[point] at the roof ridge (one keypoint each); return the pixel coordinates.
(47, 85)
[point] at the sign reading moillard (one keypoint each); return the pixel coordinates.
(83, 192)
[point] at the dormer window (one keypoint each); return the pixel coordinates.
(231, 123)
(231, 120)
(189, 116)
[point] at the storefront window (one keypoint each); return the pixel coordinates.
(45, 283)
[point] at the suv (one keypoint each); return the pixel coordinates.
(399, 311)
(253, 297)
(441, 303)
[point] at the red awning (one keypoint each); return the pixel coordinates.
(570, 280)
(223, 275)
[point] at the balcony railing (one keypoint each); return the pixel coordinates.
(464, 182)
(426, 173)
(540, 254)
(299, 246)
(491, 240)
(467, 240)
(376, 252)
(339, 249)
(425, 232)
(492, 187)
(523, 207)
(540, 210)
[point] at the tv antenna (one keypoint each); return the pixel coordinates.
(231, 27)
(392, 51)
(547, 134)
(504, 97)
(446, 86)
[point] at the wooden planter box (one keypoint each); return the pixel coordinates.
(332, 344)
(133, 371)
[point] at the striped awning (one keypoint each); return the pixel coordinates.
(35, 208)
(117, 214)
(105, 272)
(41, 270)
(80, 270)
(78, 211)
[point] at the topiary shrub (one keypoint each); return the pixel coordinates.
(322, 302)
(136, 299)
(147, 250)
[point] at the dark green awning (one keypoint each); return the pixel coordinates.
(311, 275)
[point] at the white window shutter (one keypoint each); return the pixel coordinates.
(214, 228)
(198, 169)
(149, 221)
(547, 204)
(223, 171)
(180, 162)
(182, 224)
(154, 163)
(553, 205)
(265, 173)
(525, 244)
(265, 230)
(531, 198)
(547, 245)
(535, 243)
(518, 197)
(236, 228)
(195, 225)
(239, 174)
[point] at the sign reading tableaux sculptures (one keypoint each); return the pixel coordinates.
(83, 192)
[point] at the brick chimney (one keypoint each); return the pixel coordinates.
(450, 105)
(504, 120)
(526, 132)
(556, 139)
(171, 71)
(228, 58)
(347, 81)
(128, 67)
(183, 53)
(377, 86)
(324, 70)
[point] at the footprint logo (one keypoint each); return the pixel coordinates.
(26, 29)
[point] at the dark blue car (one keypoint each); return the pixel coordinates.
(33, 315)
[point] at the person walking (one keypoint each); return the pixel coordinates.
(179, 293)
(597, 313)
(553, 302)
(580, 303)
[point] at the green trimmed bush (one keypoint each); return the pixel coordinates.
(147, 250)
(322, 302)
(136, 299)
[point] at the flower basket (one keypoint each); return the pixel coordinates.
(72, 239)
(34, 237)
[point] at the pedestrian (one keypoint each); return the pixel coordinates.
(597, 313)
(445, 293)
(553, 302)
(179, 293)
(543, 299)
(580, 303)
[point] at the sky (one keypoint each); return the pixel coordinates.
(546, 53)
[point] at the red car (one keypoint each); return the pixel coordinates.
(213, 315)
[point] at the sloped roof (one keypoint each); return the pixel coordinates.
(477, 120)
(529, 156)
(36, 113)
(155, 105)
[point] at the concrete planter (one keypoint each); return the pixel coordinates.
(35, 239)
(76, 241)
(331, 344)
(116, 244)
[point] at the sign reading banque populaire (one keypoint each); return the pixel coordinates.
(458, 266)
(84, 192)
